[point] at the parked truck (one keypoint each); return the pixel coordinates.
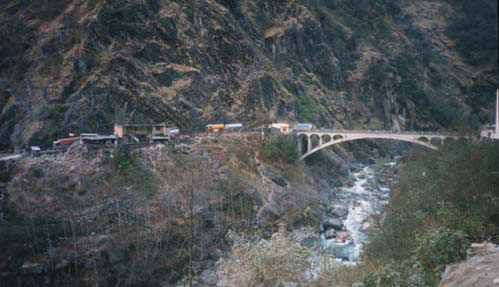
(304, 126)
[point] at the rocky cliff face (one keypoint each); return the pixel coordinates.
(80, 66)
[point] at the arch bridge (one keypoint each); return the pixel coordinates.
(325, 138)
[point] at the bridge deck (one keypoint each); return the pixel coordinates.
(333, 131)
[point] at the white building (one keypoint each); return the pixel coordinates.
(492, 131)
(282, 127)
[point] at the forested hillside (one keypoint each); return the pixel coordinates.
(418, 237)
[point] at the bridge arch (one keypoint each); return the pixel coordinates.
(303, 146)
(420, 140)
(436, 141)
(326, 138)
(337, 137)
(315, 141)
(424, 139)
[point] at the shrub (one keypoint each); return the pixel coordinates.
(36, 172)
(275, 262)
(125, 160)
(461, 182)
(386, 277)
(440, 247)
(405, 274)
(306, 109)
(281, 148)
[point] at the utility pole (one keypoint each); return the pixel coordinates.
(497, 94)
(497, 114)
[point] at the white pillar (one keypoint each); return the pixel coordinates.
(309, 143)
(497, 113)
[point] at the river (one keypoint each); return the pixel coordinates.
(349, 216)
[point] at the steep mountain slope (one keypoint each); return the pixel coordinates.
(137, 217)
(77, 65)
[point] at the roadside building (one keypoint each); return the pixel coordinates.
(142, 133)
(281, 127)
(35, 150)
(489, 132)
(492, 131)
(96, 139)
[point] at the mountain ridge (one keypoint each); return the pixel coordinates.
(83, 65)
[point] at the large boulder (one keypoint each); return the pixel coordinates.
(335, 223)
(339, 210)
(480, 270)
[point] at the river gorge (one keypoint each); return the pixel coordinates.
(351, 214)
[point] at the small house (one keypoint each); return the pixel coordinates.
(489, 132)
(281, 127)
(141, 133)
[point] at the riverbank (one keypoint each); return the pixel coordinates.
(445, 201)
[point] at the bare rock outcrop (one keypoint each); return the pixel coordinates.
(480, 270)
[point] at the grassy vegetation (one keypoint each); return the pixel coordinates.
(273, 262)
(414, 242)
(461, 180)
(125, 160)
(280, 148)
(129, 170)
(306, 109)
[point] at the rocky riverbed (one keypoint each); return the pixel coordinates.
(349, 213)
(348, 217)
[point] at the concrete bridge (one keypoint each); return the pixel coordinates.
(319, 139)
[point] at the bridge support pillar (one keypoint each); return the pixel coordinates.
(309, 143)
